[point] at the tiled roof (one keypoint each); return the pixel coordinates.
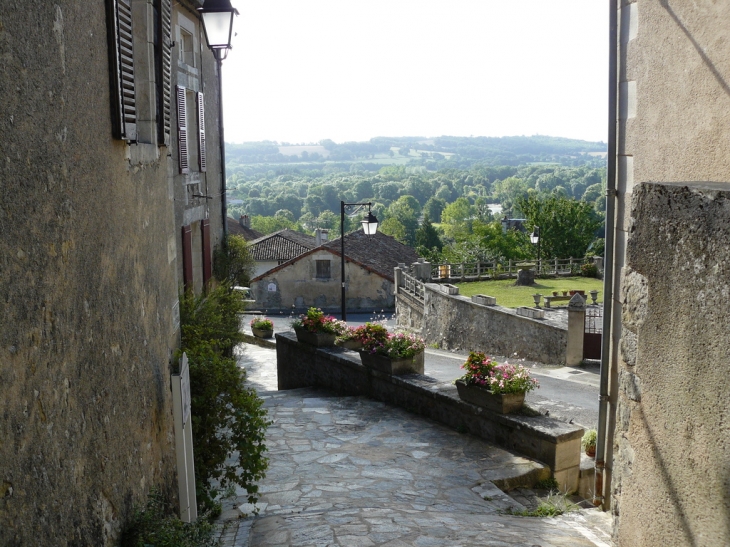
(235, 228)
(379, 253)
(281, 245)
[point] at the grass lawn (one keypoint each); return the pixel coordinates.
(510, 296)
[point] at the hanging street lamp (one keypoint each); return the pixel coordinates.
(535, 240)
(369, 226)
(217, 16)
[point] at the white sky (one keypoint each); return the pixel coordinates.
(305, 70)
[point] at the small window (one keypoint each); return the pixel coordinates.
(187, 54)
(323, 269)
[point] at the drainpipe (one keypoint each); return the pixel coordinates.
(224, 204)
(603, 451)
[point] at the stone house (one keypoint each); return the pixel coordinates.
(666, 446)
(272, 250)
(314, 277)
(109, 138)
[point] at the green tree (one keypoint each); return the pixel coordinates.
(567, 226)
(392, 227)
(269, 225)
(456, 219)
(434, 207)
(232, 262)
(405, 210)
(427, 237)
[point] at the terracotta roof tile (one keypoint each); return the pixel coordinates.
(380, 253)
(281, 245)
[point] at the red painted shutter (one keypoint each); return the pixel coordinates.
(187, 249)
(207, 270)
(182, 130)
(122, 69)
(201, 133)
(164, 70)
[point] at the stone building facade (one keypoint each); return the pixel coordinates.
(92, 210)
(668, 478)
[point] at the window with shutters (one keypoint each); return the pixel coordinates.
(121, 53)
(323, 269)
(202, 159)
(182, 130)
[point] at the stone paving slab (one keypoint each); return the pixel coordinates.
(349, 471)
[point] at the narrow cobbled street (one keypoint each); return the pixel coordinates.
(353, 472)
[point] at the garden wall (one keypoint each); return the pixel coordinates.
(549, 441)
(455, 322)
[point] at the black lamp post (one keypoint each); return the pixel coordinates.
(217, 18)
(535, 240)
(369, 226)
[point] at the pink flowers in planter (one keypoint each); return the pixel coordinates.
(397, 346)
(482, 371)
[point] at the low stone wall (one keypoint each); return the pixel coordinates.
(455, 322)
(549, 441)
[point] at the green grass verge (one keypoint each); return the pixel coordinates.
(511, 296)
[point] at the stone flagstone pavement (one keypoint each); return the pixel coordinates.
(351, 472)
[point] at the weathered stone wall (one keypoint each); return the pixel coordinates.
(86, 288)
(669, 331)
(672, 444)
(298, 288)
(455, 322)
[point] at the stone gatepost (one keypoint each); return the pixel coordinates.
(398, 277)
(576, 329)
(422, 270)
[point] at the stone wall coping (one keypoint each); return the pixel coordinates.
(501, 309)
(542, 427)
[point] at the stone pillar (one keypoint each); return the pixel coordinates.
(576, 329)
(422, 270)
(398, 277)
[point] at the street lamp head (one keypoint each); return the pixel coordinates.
(535, 235)
(370, 224)
(218, 23)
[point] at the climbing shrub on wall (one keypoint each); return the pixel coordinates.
(227, 417)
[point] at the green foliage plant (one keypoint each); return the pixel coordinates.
(316, 321)
(399, 345)
(156, 525)
(589, 440)
(262, 323)
(228, 419)
(589, 270)
(232, 261)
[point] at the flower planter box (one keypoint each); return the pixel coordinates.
(262, 333)
(447, 288)
(484, 300)
(395, 367)
(319, 339)
(506, 403)
(354, 345)
(532, 313)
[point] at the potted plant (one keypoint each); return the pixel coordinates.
(261, 327)
(316, 328)
(399, 353)
(356, 338)
(589, 442)
(500, 388)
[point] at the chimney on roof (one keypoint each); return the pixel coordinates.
(245, 221)
(321, 236)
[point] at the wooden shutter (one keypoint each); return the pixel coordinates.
(182, 130)
(187, 252)
(164, 77)
(122, 69)
(202, 160)
(207, 269)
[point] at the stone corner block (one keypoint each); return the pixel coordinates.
(484, 300)
(532, 313)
